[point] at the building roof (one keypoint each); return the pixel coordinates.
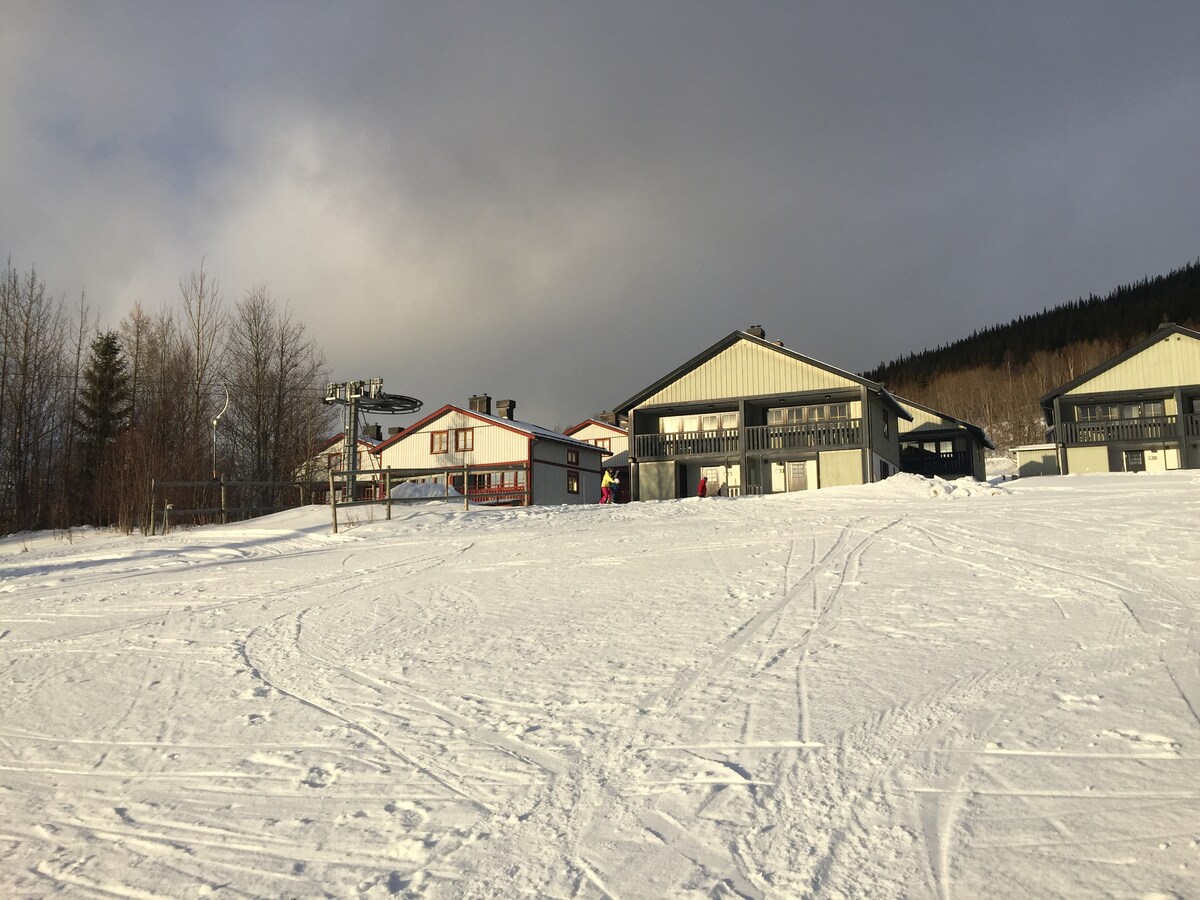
(729, 341)
(1166, 330)
(526, 428)
(975, 430)
(615, 429)
(340, 437)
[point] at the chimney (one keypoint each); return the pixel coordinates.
(481, 403)
(504, 408)
(373, 432)
(757, 331)
(393, 431)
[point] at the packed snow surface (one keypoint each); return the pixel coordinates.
(917, 689)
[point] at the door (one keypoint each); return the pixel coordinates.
(716, 478)
(797, 477)
(1135, 461)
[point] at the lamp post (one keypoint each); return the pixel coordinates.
(214, 424)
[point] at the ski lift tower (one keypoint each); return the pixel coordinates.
(363, 396)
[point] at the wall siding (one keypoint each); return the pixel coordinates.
(656, 480)
(841, 467)
(1173, 361)
(1084, 460)
(620, 441)
(493, 444)
(747, 369)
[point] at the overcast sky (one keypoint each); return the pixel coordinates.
(561, 202)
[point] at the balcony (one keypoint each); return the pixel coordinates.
(687, 443)
(1191, 425)
(805, 435)
(1158, 428)
(955, 464)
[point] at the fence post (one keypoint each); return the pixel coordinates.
(151, 507)
(466, 488)
(332, 502)
(224, 504)
(166, 516)
(387, 487)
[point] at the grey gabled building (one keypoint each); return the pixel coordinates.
(755, 417)
(1138, 411)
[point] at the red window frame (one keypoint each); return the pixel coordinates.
(603, 443)
(439, 442)
(464, 440)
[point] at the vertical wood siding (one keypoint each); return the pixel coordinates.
(746, 369)
(1173, 361)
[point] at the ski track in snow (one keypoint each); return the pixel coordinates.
(884, 692)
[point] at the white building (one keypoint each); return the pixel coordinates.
(495, 458)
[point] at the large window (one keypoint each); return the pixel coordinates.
(572, 481)
(603, 443)
(464, 439)
(819, 412)
(439, 442)
(1110, 412)
(724, 421)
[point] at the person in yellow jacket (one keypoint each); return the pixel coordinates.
(608, 487)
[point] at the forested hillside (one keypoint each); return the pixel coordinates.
(994, 377)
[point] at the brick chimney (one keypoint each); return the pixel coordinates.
(505, 408)
(481, 403)
(757, 331)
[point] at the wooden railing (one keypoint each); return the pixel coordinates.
(957, 463)
(687, 443)
(1112, 430)
(1191, 425)
(840, 433)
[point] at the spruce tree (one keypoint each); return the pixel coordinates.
(104, 406)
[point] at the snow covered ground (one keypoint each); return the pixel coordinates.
(912, 689)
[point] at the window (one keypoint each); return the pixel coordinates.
(887, 425)
(439, 442)
(1097, 412)
(727, 421)
(603, 443)
(572, 481)
(464, 439)
(572, 457)
(821, 412)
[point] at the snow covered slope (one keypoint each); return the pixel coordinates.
(912, 689)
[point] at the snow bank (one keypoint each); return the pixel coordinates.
(412, 490)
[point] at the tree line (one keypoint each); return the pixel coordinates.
(90, 418)
(995, 377)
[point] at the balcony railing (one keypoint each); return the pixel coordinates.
(687, 443)
(1191, 425)
(1114, 430)
(840, 433)
(956, 463)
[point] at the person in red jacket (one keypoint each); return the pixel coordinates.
(703, 492)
